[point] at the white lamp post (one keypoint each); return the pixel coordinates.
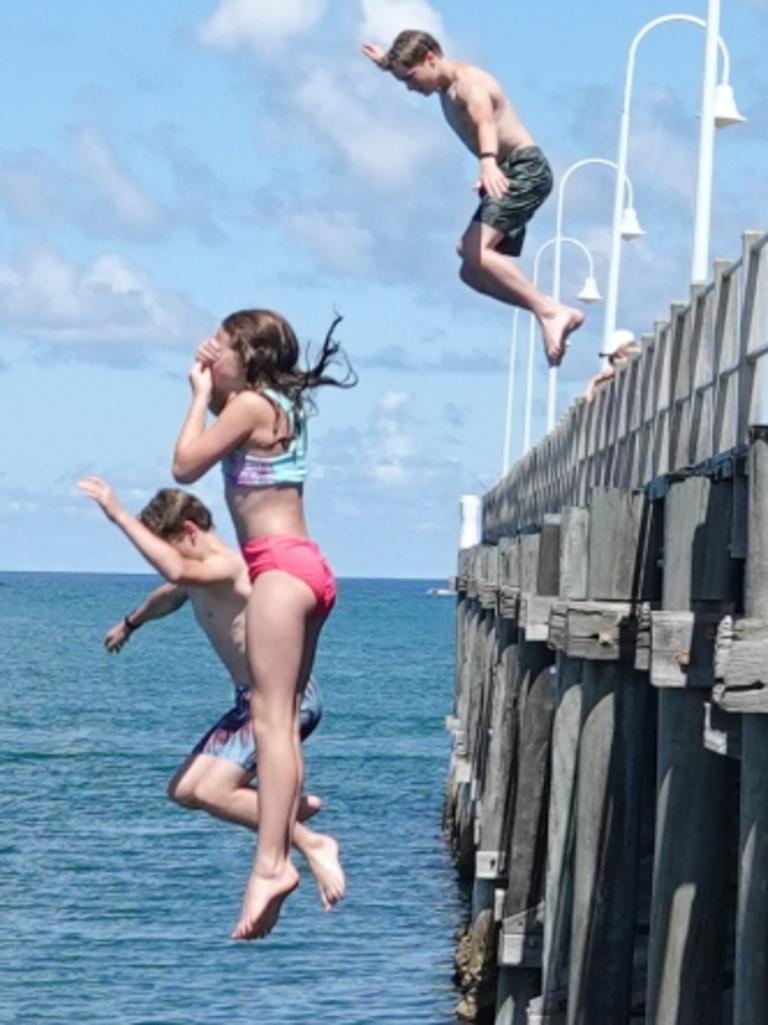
(589, 293)
(510, 391)
(727, 111)
(629, 229)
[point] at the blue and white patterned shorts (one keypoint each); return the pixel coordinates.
(232, 736)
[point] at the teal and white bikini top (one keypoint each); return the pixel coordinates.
(247, 470)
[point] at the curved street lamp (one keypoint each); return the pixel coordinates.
(629, 228)
(588, 293)
(722, 112)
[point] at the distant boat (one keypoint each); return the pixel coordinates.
(439, 592)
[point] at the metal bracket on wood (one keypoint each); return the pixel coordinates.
(490, 864)
(521, 939)
(722, 731)
(741, 665)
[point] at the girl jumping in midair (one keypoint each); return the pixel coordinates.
(248, 374)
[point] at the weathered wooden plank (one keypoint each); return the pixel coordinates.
(688, 926)
(560, 835)
(574, 536)
(722, 731)
(683, 648)
(609, 785)
(534, 616)
(741, 669)
(697, 533)
(618, 550)
(600, 631)
(529, 563)
(528, 834)
(548, 575)
(490, 859)
(751, 958)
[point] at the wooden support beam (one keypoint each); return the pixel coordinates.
(610, 781)
(490, 858)
(560, 836)
(722, 731)
(686, 953)
(599, 631)
(751, 967)
(525, 864)
(683, 647)
(741, 666)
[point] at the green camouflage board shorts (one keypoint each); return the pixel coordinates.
(530, 182)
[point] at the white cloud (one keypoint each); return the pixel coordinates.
(392, 401)
(130, 205)
(262, 25)
(335, 238)
(50, 299)
(382, 20)
(382, 152)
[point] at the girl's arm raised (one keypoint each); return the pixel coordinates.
(198, 448)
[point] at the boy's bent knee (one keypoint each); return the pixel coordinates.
(466, 272)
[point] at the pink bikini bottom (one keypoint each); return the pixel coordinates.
(297, 556)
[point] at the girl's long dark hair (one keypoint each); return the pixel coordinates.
(269, 349)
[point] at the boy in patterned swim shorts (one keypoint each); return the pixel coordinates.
(514, 177)
(175, 535)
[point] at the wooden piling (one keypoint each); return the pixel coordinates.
(751, 960)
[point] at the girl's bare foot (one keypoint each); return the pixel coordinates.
(555, 328)
(263, 899)
(323, 859)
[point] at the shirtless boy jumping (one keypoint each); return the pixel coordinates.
(514, 176)
(174, 534)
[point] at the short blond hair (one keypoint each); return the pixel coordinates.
(410, 49)
(170, 509)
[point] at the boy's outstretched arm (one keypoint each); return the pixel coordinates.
(479, 107)
(164, 600)
(158, 553)
(376, 54)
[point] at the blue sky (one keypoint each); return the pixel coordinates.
(163, 164)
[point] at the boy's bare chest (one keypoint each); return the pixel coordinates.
(455, 113)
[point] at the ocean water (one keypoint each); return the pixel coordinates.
(116, 906)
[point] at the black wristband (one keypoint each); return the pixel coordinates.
(494, 155)
(129, 626)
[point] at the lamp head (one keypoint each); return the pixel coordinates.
(630, 226)
(726, 111)
(589, 293)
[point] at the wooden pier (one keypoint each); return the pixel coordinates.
(607, 798)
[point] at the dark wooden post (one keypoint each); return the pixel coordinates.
(751, 968)
(690, 878)
(611, 761)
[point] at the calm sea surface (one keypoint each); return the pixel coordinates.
(116, 905)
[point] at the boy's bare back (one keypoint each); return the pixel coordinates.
(220, 611)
